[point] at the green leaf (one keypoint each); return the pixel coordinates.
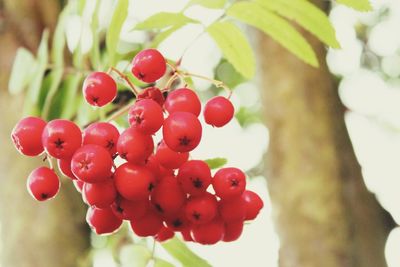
(164, 35)
(227, 73)
(360, 5)
(162, 20)
(134, 256)
(306, 15)
(177, 249)
(216, 163)
(22, 70)
(95, 51)
(57, 50)
(70, 87)
(275, 26)
(234, 46)
(56, 77)
(114, 30)
(162, 263)
(246, 116)
(207, 3)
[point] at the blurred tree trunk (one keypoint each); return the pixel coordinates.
(32, 234)
(323, 212)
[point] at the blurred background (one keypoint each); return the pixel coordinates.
(321, 146)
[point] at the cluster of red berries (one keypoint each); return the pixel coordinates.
(159, 190)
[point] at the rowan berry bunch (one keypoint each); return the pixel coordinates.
(159, 189)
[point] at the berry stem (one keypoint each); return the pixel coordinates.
(153, 250)
(119, 112)
(217, 83)
(170, 81)
(48, 158)
(174, 69)
(123, 76)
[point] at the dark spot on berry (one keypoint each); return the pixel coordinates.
(197, 182)
(138, 119)
(95, 99)
(110, 144)
(177, 223)
(234, 182)
(150, 187)
(141, 75)
(123, 155)
(120, 210)
(85, 164)
(159, 208)
(196, 215)
(44, 196)
(184, 141)
(59, 143)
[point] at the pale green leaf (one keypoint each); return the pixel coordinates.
(22, 70)
(95, 50)
(56, 78)
(275, 26)
(180, 251)
(57, 49)
(164, 35)
(216, 163)
(114, 30)
(360, 5)
(134, 256)
(162, 263)
(163, 20)
(70, 104)
(234, 46)
(216, 4)
(307, 15)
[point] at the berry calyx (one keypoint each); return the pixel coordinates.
(103, 134)
(99, 89)
(149, 65)
(168, 158)
(27, 136)
(134, 146)
(146, 116)
(201, 209)
(229, 183)
(184, 100)
(43, 183)
(101, 195)
(194, 177)
(218, 111)
(253, 204)
(102, 221)
(152, 93)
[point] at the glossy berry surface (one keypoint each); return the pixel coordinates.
(64, 165)
(233, 230)
(194, 177)
(99, 89)
(149, 65)
(27, 136)
(92, 164)
(152, 93)
(101, 195)
(146, 116)
(178, 222)
(134, 182)
(232, 210)
(209, 233)
(134, 146)
(164, 234)
(253, 204)
(182, 131)
(103, 134)
(102, 221)
(168, 197)
(149, 225)
(130, 210)
(218, 111)
(61, 138)
(229, 183)
(168, 158)
(201, 209)
(184, 100)
(43, 183)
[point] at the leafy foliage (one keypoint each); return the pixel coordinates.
(208, 3)
(162, 20)
(216, 163)
(21, 73)
(360, 5)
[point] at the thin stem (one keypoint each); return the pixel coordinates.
(153, 250)
(171, 66)
(119, 112)
(123, 76)
(170, 81)
(48, 158)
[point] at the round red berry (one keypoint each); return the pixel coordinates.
(101, 195)
(229, 183)
(134, 146)
(61, 138)
(92, 164)
(253, 204)
(102, 221)
(99, 89)
(194, 177)
(27, 136)
(152, 93)
(187, 234)
(64, 165)
(149, 65)
(168, 197)
(164, 234)
(130, 210)
(134, 182)
(201, 209)
(184, 100)
(209, 233)
(233, 230)
(168, 158)
(149, 225)
(103, 134)
(43, 183)
(178, 222)
(218, 111)
(146, 116)
(182, 131)
(233, 209)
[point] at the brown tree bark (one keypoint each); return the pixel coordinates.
(323, 212)
(32, 234)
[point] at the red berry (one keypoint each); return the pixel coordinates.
(233, 231)
(103, 134)
(232, 209)
(78, 185)
(146, 116)
(149, 225)
(92, 164)
(209, 233)
(134, 146)
(182, 131)
(61, 138)
(130, 210)
(102, 221)
(194, 177)
(218, 111)
(101, 195)
(64, 165)
(229, 183)
(43, 183)
(178, 222)
(153, 93)
(134, 182)
(184, 100)
(27, 136)
(168, 197)
(253, 204)
(168, 158)
(99, 89)
(201, 209)
(164, 234)
(187, 234)
(149, 65)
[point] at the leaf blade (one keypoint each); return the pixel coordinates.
(216, 163)
(163, 20)
(360, 5)
(21, 73)
(213, 4)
